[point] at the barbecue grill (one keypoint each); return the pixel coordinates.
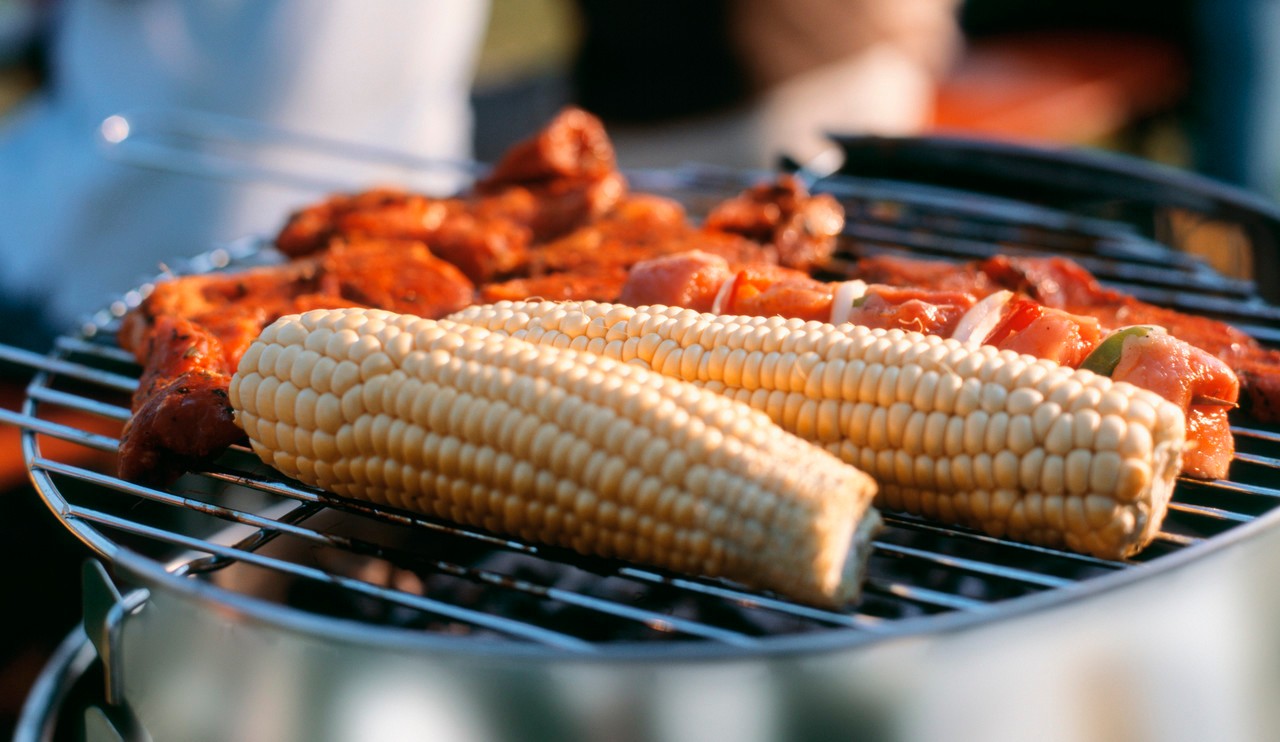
(242, 605)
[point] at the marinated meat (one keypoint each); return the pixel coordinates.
(1257, 367)
(573, 146)
(401, 276)
(1052, 281)
(1200, 384)
(768, 290)
(1058, 282)
(190, 333)
(605, 284)
(802, 227)
(891, 307)
(690, 279)
(548, 185)
(1044, 332)
(568, 171)
(1186, 375)
(238, 304)
(640, 228)
(181, 412)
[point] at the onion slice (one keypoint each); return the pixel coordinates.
(980, 321)
(847, 292)
(724, 296)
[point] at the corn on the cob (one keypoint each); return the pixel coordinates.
(1015, 446)
(552, 446)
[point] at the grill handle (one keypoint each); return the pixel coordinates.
(1073, 179)
(105, 609)
(231, 149)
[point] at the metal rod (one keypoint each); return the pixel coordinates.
(309, 494)
(227, 148)
(62, 367)
(499, 624)
(1209, 512)
(114, 353)
(746, 599)
(925, 596)
(918, 524)
(1242, 431)
(76, 402)
(973, 566)
(252, 542)
(59, 431)
(1225, 485)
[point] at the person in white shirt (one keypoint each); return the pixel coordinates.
(81, 226)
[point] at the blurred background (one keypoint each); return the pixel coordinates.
(1191, 84)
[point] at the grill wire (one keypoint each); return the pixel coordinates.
(241, 526)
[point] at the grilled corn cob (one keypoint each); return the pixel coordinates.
(1015, 446)
(552, 446)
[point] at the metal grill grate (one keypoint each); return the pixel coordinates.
(239, 525)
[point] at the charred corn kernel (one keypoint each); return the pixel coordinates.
(1013, 445)
(554, 446)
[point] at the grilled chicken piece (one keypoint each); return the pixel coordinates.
(574, 145)
(548, 185)
(768, 290)
(483, 243)
(233, 307)
(181, 413)
(402, 276)
(602, 284)
(902, 308)
(1184, 374)
(568, 169)
(190, 333)
(802, 227)
(1053, 282)
(593, 261)
(640, 228)
(390, 274)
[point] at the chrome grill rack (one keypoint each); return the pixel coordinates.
(240, 526)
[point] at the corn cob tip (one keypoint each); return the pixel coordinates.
(853, 573)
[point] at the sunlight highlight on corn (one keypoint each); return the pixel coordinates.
(552, 446)
(1015, 446)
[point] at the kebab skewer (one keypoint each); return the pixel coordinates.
(1199, 383)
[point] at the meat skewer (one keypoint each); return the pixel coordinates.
(1198, 382)
(1063, 284)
